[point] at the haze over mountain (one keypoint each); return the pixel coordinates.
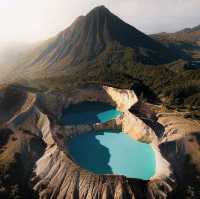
(100, 36)
(11, 54)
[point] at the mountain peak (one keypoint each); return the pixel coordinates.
(100, 8)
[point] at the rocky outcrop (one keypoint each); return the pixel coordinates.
(163, 167)
(176, 126)
(137, 129)
(124, 99)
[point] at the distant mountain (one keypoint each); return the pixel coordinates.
(99, 37)
(186, 40)
(191, 30)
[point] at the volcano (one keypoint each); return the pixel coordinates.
(99, 37)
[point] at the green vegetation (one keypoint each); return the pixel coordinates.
(173, 84)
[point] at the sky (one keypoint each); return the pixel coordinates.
(36, 20)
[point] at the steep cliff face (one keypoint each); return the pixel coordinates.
(124, 99)
(53, 102)
(137, 129)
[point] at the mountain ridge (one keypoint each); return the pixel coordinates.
(186, 41)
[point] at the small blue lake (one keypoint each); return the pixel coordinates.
(89, 113)
(113, 153)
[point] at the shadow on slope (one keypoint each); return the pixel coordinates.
(90, 154)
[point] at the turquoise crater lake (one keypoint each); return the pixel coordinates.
(89, 113)
(113, 153)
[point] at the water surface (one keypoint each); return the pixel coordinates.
(113, 153)
(89, 113)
